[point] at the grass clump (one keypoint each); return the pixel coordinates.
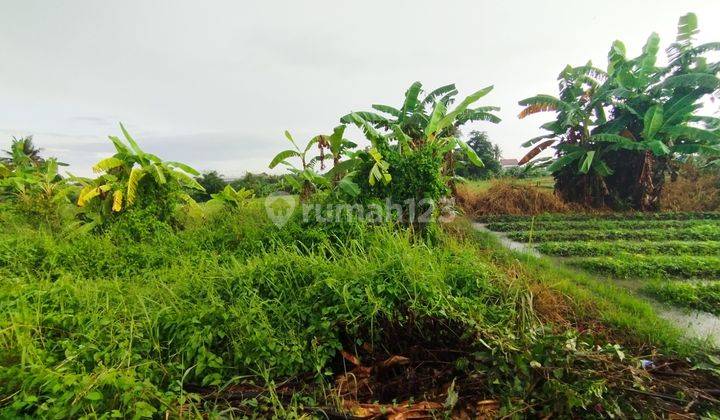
(703, 296)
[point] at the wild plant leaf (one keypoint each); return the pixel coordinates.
(348, 186)
(587, 162)
(183, 167)
(133, 144)
(387, 109)
(657, 147)
(411, 99)
(450, 117)
(438, 93)
(652, 122)
(470, 153)
(536, 151)
(282, 156)
(136, 174)
(106, 165)
(432, 127)
(564, 161)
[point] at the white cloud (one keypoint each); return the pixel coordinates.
(215, 83)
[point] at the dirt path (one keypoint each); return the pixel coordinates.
(695, 324)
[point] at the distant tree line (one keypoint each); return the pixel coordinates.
(261, 184)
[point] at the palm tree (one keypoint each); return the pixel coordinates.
(22, 152)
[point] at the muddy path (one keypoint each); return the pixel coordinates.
(695, 324)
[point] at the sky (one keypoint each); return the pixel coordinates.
(215, 83)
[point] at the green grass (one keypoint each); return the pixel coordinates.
(694, 233)
(610, 248)
(129, 322)
(483, 185)
(657, 266)
(598, 299)
(703, 296)
(597, 224)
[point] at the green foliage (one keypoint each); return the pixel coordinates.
(488, 153)
(597, 248)
(415, 176)
(261, 184)
(34, 184)
(229, 197)
(212, 183)
(697, 233)
(128, 325)
(704, 296)
(133, 177)
(666, 215)
(616, 131)
(305, 179)
(656, 266)
(597, 224)
(421, 139)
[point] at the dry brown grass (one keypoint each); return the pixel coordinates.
(692, 191)
(508, 197)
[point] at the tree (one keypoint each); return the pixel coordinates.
(22, 152)
(212, 183)
(486, 151)
(618, 132)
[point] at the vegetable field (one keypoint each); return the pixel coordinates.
(674, 256)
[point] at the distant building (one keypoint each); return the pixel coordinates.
(508, 163)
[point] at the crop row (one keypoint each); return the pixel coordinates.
(670, 215)
(697, 233)
(597, 248)
(597, 224)
(703, 296)
(654, 266)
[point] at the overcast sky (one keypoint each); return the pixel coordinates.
(215, 83)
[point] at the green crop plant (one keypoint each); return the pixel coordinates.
(698, 233)
(652, 267)
(611, 248)
(597, 224)
(548, 217)
(703, 296)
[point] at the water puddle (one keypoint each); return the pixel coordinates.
(507, 242)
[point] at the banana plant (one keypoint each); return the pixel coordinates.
(231, 198)
(117, 186)
(628, 123)
(303, 179)
(421, 122)
(414, 115)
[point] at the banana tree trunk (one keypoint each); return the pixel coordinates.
(650, 183)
